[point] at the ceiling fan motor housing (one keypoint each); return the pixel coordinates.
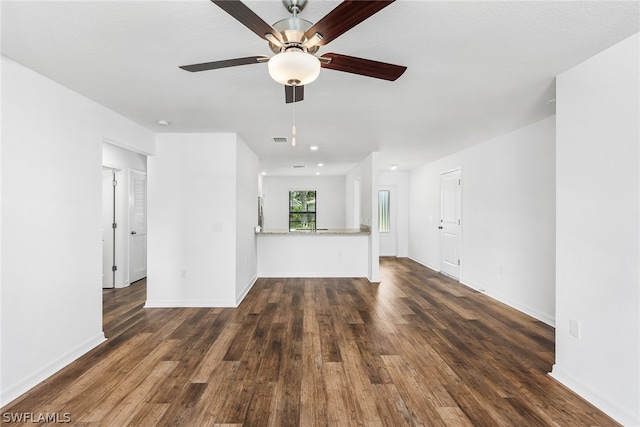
(294, 6)
(292, 31)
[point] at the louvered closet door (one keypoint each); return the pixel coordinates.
(138, 226)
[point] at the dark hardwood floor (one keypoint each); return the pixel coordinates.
(417, 349)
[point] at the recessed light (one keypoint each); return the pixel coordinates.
(314, 148)
(394, 167)
(163, 122)
(317, 173)
(264, 172)
(320, 164)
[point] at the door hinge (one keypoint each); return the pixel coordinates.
(114, 225)
(458, 222)
(114, 182)
(458, 262)
(459, 182)
(114, 268)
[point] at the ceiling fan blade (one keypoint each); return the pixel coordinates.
(248, 18)
(289, 93)
(225, 63)
(347, 15)
(364, 67)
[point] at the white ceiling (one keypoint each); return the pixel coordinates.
(476, 69)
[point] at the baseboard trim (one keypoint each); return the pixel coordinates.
(543, 317)
(16, 390)
(322, 275)
(621, 415)
(190, 304)
(426, 264)
(246, 290)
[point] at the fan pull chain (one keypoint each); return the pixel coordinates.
(293, 128)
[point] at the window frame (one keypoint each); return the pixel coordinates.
(311, 215)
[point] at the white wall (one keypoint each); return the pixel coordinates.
(366, 174)
(598, 226)
(508, 217)
(330, 199)
(193, 227)
(122, 161)
(399, 181)
(313, 255)
(51, 224)
(247, 192)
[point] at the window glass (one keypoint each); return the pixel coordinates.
(302, 210)
(383, 211)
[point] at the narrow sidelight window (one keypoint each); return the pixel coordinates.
(383, 211)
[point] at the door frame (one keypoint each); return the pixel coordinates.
(393, 215)
(129, 222)
(460, 222)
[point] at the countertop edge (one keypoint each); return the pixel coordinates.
(336, 232)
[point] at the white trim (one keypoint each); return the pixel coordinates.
(16, 390)
(245, 291)
(615, 411)
(426, 264)
(127, 146)
(543, 317)
(190, 304)
(320, 275)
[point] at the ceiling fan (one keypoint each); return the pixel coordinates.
(294, 42)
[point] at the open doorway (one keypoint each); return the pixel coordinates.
(124, 232)
(124, 216)
(108, 227)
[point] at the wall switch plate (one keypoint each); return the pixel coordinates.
(574, 328)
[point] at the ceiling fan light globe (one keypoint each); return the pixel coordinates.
(299, 67)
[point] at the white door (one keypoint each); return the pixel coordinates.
(108, 219)
(450, 222)
(138, 226)
(387, 221)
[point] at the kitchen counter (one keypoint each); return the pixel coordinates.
(324, 231)
(319, 253)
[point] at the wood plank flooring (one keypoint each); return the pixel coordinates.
(417, 349)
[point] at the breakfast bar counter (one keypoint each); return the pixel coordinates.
(318, 231)
(313, 253)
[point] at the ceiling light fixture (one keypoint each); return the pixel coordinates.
(314, 148)
(394, 167)
(163, 122)
(294, 67)
(320, 165)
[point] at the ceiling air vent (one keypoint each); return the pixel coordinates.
(279, 139)
(299, 166)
